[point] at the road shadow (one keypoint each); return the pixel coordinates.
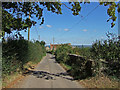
(52, 57)
(47, 75)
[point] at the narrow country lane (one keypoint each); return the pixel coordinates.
(48, 74)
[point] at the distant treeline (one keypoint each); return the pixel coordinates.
(80, 46)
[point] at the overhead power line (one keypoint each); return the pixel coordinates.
(80, 20)
(36, 30)
(37, 33)
(85, 16)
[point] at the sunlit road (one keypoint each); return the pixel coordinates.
(48, 74)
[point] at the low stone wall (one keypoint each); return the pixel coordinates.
(79, 60)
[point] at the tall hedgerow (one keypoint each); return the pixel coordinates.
(62, 52)
(107, 52)
(16, 53)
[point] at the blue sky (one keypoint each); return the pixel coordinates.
(65, 30)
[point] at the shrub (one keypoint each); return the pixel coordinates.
(62, 52)
(83, 51)
(78, 70)
(109, 52)
(16, 53)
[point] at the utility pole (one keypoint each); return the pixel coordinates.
(119, 22)
(29, 28)
(53, 43)
(53, 40)
(39, 37)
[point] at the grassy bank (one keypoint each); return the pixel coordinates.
(19, 56)
(66, 67)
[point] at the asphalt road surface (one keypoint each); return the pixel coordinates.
(48, 74)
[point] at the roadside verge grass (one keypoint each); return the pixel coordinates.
(18, 56)
(66, 67)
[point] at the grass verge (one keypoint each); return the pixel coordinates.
(66, 67)
(10, 80)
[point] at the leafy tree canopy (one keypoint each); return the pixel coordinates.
(42, 43)
(15, 15)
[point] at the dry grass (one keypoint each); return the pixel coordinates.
(10, 80)
(99, 82)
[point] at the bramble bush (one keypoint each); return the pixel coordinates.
(109, 51)
(61, 53)
(83, 51)
(104, 54)
(16, 53)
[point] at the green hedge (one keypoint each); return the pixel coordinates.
(109, 51)
(78, 65)
(83, 51)
(16, 53)
(105, 56)
(61, 53)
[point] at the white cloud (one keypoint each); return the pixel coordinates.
(48, 26)
(85, 30)
(66, 29)
(41, 27)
